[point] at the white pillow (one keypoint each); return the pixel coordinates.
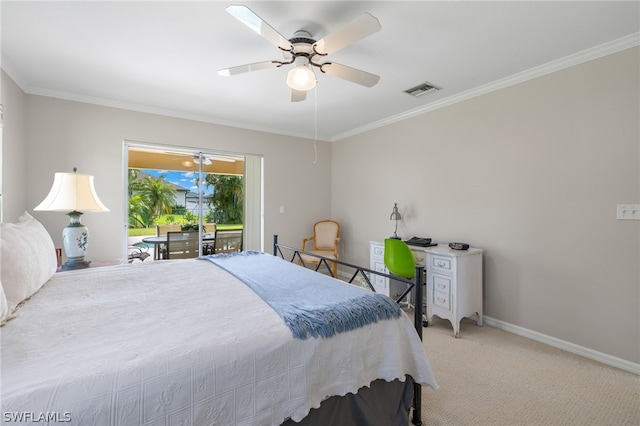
(28, 258)
(5, 313)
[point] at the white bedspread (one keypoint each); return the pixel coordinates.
(181, 342)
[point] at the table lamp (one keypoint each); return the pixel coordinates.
(73, 193)
(395, 215)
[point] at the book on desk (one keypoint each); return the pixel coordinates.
(420, 242)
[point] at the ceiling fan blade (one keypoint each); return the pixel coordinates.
(221, 158)
(350, 74)
(298, 95)
(361, 27)
(257, 24)
(248, 67)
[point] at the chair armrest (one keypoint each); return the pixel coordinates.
(304, 241)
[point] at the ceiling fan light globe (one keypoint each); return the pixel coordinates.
(301, 78)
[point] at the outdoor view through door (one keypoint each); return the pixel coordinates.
(198, 194)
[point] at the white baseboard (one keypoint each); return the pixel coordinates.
(613, 361)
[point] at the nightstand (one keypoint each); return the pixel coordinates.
(95, 264)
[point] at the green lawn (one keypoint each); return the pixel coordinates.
(143, 232)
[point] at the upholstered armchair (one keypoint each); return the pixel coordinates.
(326, 236)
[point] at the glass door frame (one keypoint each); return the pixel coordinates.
(253, 192)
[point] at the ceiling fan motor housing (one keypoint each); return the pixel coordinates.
(302, 44)
(302, 36)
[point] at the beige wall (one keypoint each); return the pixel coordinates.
(62, 134)
(532, 174)
(14, 151)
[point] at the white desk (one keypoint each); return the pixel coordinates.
(454, 281)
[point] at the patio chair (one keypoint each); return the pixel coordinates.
(228, 241)
(138, 252)
(161, 230)
(171, 227)
(182, 245)
(209, 228)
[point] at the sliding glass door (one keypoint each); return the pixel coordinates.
(186, 189)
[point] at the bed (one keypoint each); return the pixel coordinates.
(184, 342)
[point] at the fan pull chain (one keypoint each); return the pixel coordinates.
(315, 124)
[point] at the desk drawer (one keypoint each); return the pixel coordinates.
(420, 257)
(441, 284)
(441, 264)
(378, 251)
(442, 300)
(379, 282)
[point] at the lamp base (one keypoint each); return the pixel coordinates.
(72, 264)
(74, 239)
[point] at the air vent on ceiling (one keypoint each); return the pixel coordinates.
(422, 89)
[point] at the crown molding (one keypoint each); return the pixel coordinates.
(605, 49)
(627, 42)
(157, 111)
(111, 103)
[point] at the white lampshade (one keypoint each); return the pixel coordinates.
(72, 192)
(301, 77)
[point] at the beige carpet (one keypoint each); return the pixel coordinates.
(492, 377)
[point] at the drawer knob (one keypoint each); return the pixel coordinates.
(441, 264)
(441, 300)
(442, 286)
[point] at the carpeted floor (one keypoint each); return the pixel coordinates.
(492, 377)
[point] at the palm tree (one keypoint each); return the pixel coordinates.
(158, 194)
(227, 199)
(139, 212)
(133, 181)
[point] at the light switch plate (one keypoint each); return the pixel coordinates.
(628, 212)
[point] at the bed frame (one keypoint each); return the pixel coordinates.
(365, 273)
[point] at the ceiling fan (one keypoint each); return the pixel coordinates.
(304, 52)
(206, 159)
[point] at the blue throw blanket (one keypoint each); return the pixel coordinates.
(311, 304)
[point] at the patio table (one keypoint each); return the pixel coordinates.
(159, 241)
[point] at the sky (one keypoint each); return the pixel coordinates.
(184, 179)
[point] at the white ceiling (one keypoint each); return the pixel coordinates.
(163, 56)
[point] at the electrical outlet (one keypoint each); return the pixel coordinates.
(281, 209)
(628, 212)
